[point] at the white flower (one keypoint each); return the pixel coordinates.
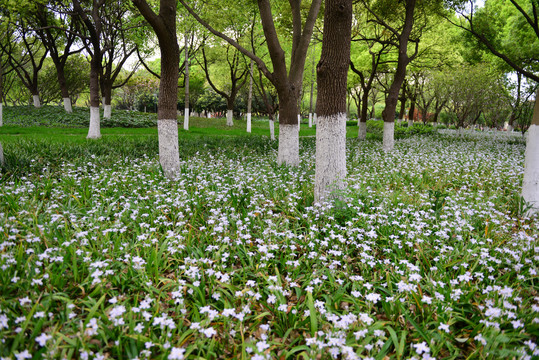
(444, 327)
(42, 339)
(374, 298)
(176, 353)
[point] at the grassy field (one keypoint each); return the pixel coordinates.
(427, 255)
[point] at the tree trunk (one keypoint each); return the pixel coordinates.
(107, 99)
(530, 184)
(272, 127)
(230, 109)
(164, 26)
(403, 107)
(94, 132)
(63, 88)
(250, 98)
(362, 131)
(393, 95)
(186, 113)
(312, 91)
(411, 112)
(332, 71)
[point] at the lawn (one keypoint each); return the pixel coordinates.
(428, 254)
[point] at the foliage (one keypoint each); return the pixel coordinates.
(56, 116)
(426, 253)
(77, 74)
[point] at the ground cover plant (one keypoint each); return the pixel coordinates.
(426, 255)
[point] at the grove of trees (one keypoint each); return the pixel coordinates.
(456, 62)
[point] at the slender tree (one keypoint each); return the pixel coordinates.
(186, 82)
(332, 72)
(164, 25)
(250, 97)
(26, 55)
(287, 80)
(92, 22)
(237, 77)
(58, 33)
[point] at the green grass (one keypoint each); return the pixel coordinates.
(428, 251)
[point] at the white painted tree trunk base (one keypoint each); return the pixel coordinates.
(288, 145)
(362, 131)
(389, 136)
(37, 102)
(185, 120)
(272, 129)
(1, 155)
(330, 168)
(530, 183)
(315, 119)
(435, 124)
(299, 122)
(248, 122)
(229, 118)
(410, 123)
(1, 114)
(107, 111)
(94, 132)
(67, 105)
(310, 120)
(509, 128)
(169, 155)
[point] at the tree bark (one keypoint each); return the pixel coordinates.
(164, 26)
(250, 98)
(186, 82)
(530, 184)
(332, 72)
(312, 89)
(94, 132)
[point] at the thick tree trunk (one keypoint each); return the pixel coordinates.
(67, 105)
(332, 71)
(37, 102)
(169, 155)
(229, 117)
(94, 132)
(250, 98)
(530, 184)
(288, 152)
(186, 113)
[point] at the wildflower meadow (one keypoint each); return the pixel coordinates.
(427, 254)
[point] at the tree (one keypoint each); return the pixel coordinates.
(332, 72)
(287, 80)
(164, 26)
(92, 21)
(119, 34)
(530, 183)
(26, 55)
(508, 29)
(75, 74)
(469, 90)
(58, 33)
(237, 76)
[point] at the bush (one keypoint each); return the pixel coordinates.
(57, 117)
(401, 129)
